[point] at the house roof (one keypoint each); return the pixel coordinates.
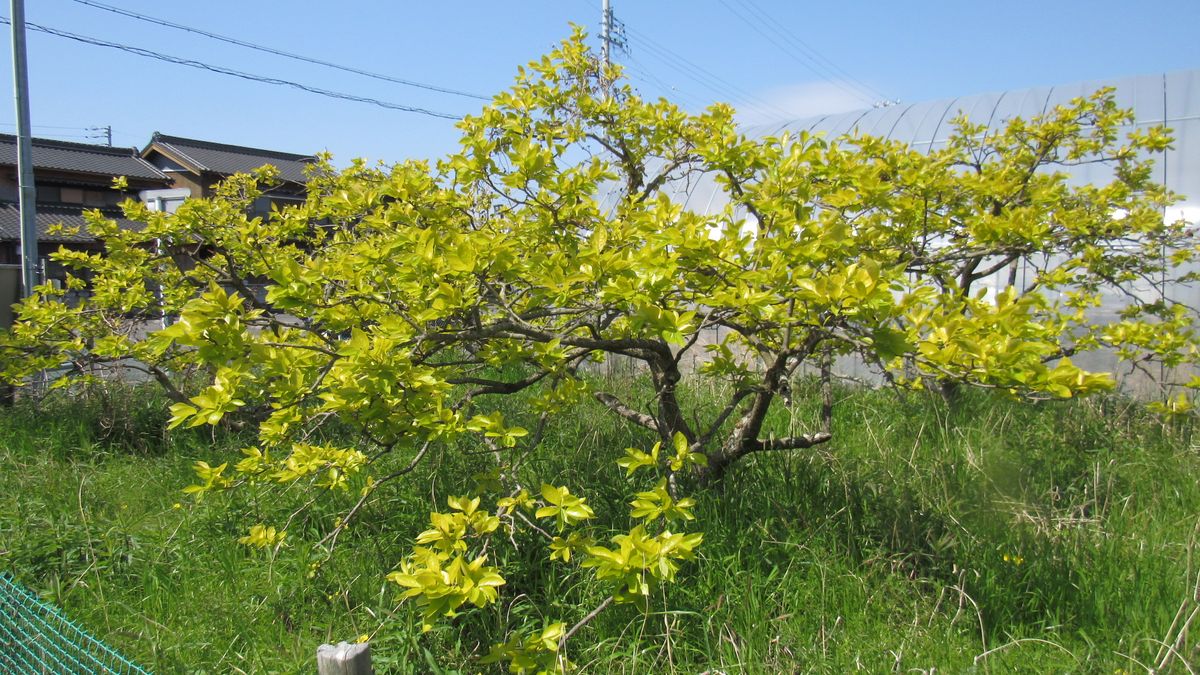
(51, 214)
(100, 160)
(225, 159)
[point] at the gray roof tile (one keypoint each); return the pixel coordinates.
(82, 157)
(229, 159)
(52, 214)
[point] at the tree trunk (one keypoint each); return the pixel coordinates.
(666, 377)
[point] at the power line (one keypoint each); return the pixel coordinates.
(705, 78)
(53, 131)
(802, 58)
(643, 73)
(702, 76)
(278, 52)
(234, 73)
(104, 132)
(791, 37)
(54, 136)
(808, 56)
(612, 35)
(41, 126)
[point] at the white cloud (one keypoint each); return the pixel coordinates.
(796, 101)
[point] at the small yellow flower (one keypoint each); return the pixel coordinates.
(363, 638)
(177, 505)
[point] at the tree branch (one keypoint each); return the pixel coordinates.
(333, 535)
(738, 397)
(617, 406)
(562, 641)
(488, 386)
(789, 443)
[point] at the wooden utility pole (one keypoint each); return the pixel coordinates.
(344, 659)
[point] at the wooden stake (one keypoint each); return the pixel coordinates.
(344, 659)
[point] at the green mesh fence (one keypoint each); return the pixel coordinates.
(36, 639)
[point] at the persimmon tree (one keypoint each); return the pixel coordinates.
(405, 301)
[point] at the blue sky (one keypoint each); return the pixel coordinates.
(770, 58)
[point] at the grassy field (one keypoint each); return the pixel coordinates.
(988, 537)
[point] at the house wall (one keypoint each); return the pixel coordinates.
(181, 177)
(9, 190)
(65, 187)
(187, 181)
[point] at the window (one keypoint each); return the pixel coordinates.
(101, 197)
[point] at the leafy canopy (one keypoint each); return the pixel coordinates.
(403, 302)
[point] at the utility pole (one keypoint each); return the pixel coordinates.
(29, 242)
(103, 132)
(606, 33)
(612, 34)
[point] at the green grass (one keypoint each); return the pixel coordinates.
(990, 536)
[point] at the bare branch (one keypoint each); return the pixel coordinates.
(617, 406)
(333, 535)
(789, 443)
(562, 641)
(488, 386)
(738, 398)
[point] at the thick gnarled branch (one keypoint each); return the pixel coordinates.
(620, 408)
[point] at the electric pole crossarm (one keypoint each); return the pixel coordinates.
(612, 34)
